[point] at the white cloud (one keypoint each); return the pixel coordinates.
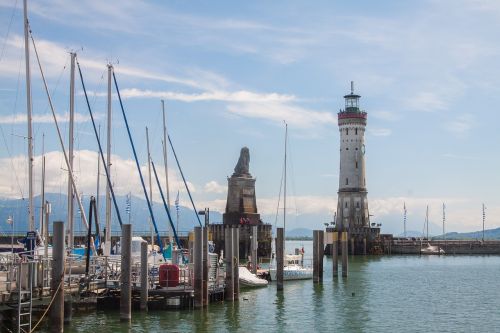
(214, 187)
(46, 118)
(236, 96)
(384, 115)
(124, 175)
(462, 214)
(278, 112)
(428, 102)
(380, 131)
(459, 157)
(461, 124)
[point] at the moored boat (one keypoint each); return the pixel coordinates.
(249, 279)
(431, 249)
(293, 269)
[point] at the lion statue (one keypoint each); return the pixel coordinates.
(242, 167)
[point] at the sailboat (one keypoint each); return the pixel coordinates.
(429, 249)
(293, 265)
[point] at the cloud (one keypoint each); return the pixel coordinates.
(384, 115)
(124, 175)
(54, 57)
(214, 187)
(380, 131)
(459, 157)
(278, 112)
(427, 102)
(461, 124)
(462, 214)
(46, 118)
(237, 96)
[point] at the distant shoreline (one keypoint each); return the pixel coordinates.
(300, 238)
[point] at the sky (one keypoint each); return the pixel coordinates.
(231, 73)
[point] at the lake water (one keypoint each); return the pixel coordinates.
(381, 294)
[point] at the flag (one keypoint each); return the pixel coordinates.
(177, 208)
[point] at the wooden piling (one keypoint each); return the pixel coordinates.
(321, 254)
(126, 274)
(57, 283)
(228, 260)
(352, 245)
(236, 263)
(335, 253)
(345, 254)
(198, 267)
(364, 246)
(205, 264)
(255, 246)
(279, 258)
(318, 252)
(144, 276)
(315, 256)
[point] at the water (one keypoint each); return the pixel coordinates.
(381, 294)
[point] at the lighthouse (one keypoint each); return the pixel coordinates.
(352, 207)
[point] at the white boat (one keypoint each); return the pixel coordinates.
(248, 279)
(431, 249)
(293, 269)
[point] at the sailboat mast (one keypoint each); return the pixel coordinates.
(404, 219)
(107, 248)
(70, 148)
(150, 187)
(444, 219)
(284, 178)
(42, 208)
(165, 162)
(98, 179)
(427, 221)
(31, 218)
(484, 218)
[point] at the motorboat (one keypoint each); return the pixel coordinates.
(293, 269)
(248, 279)
(431, 249)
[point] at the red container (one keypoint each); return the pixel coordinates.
(169, 275)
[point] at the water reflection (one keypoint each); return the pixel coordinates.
(232, 315)
(279, 301)
(351, 294)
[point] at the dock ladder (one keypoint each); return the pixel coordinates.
(25, 297)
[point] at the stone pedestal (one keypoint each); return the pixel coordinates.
(241, 207)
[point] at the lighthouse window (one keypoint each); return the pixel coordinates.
(356, 131)
(346, 131)
(357, 204)
(347, 181)
(356, 164)
(347, 149)
(346, 204)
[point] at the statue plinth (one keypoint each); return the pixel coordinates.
(241, 207)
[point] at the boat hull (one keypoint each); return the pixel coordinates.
(296, 273)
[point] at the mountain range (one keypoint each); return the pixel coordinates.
(139, 217)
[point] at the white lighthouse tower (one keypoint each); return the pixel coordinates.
(352, 207)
